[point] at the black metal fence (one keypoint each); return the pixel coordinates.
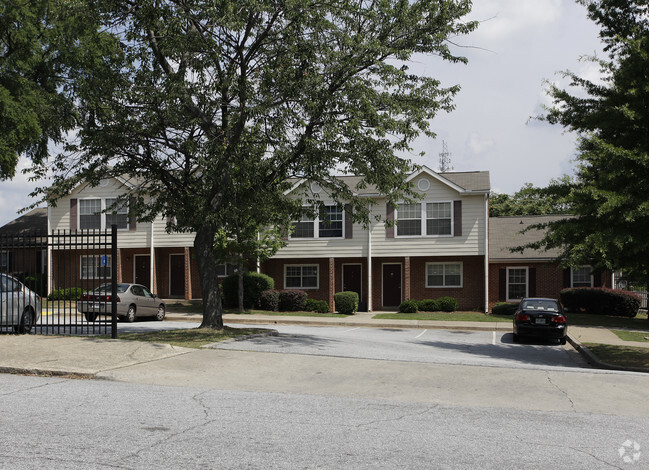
(43, 278)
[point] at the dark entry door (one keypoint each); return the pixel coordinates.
(391, 285)
(352, 279)
(177, 276)
(143, 270)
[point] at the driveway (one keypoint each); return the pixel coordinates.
(483, 348)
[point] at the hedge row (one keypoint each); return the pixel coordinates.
(600, 301)
(504, 308)
(443, 304)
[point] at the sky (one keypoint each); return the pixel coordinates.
(518, 45)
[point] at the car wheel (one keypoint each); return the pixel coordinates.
(130, 315)
(563, 340)
(90, 316)
(517, 339)
(26, 322)
(160, 315)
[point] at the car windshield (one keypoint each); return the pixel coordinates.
(547, 305)
(108, 288)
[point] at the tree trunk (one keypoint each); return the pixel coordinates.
(212, 307)
(240, 289)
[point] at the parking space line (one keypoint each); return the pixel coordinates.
(351, 329)
(493, 339)
(421, 334)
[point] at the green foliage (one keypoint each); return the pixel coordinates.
(71, 293)
(269, 300)
(253, 285)
(527, 201)
(319, 306)
(427, 305)
(346, 302)
(601, 301)
(608, 194)
(504, 308)
(447, 304)
(409, 306)
(212, 107)
(292, 300)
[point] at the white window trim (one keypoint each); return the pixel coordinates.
(572, 273)
(316, 229)
(424, 219)
(445, 263)
(317, 280)
(95, 276)
(102, 213)
(527, 281)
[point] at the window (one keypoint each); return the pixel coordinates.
(581, 277)
(98, 214)
(329, 224)
(226, 269)
(90, 214)
(409, 219)
(96, 267)
(438, 218)
(117, 215)
(301, 276)
(5, 261)
(516, 283)
(430, 218)
(443, 274)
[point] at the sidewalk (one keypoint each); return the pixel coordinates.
(85, 357)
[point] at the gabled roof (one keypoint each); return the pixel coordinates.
(33, 221)
(505, 233)
(463, 182)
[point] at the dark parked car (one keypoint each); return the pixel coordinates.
(540, 318)
(133, 300)
(20, 307)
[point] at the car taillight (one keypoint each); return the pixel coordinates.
(85, 297)
(559, 319)
(109, 298)
(522, 317)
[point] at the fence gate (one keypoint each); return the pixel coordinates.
(43, 278)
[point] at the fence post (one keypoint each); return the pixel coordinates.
(113, 295)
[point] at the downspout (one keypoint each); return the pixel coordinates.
(152, 276)
(49, 251)
(369, 263)
(486, 253)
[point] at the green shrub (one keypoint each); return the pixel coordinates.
(269, 300)
(346, 302)
(600, 301)
(71, 293)
(447, 304)
(318, 306)
(253, 285)
(409, 306)
(292, 300)
(504, 308)
(428, 305)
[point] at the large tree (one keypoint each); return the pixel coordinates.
(529, 200)
(212, 95)
(608, 194)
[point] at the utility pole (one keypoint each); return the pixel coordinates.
(444, 159)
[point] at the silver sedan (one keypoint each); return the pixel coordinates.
(133, 300)
(20, 307)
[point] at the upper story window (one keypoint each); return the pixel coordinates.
(431, 218)
(329, 224)
(581, 277)
(93, 217)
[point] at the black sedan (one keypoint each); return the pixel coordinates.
(540, 318)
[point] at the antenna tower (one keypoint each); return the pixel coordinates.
(444, 159)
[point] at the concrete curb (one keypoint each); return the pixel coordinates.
(597, 362)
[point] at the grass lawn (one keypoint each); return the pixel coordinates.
(191, 338)
(586, 319)
(639, 336)
(620, 355)
(445, 316)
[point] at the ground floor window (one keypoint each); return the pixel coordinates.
(226, 269)
(581, 277)
(443, 274)
(516, 283)
(301, 276)
(96, 267)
